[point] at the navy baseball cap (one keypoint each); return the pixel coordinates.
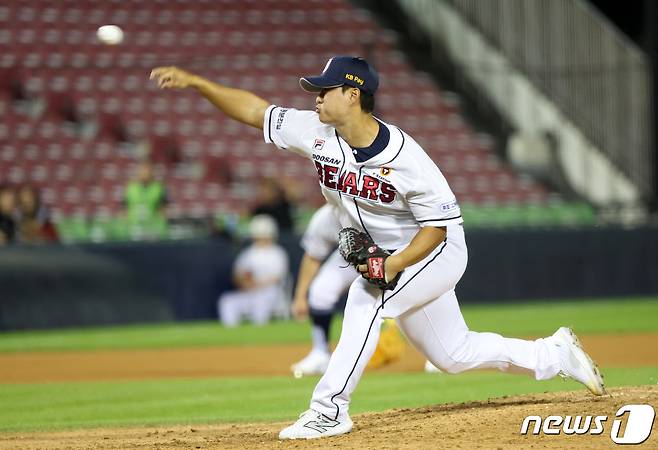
(341, 70)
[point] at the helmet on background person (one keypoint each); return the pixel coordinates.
(263, 227)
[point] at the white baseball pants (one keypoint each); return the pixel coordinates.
(333, 278)
(256, 305)
(426, 310)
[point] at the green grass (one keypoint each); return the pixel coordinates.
(513, 319)
(249, 399)
(192, 334)
(608, 316)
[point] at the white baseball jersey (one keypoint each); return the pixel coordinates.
(321, 235)
(390, 196)
(263, 263)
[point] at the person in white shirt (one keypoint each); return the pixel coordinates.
(323, 278)
(382, 182)
(259, 272)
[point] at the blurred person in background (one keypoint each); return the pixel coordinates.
(7, 215)
(145, 201)
(34, 219)
(272, 201)
(323, 278)
(260, 272)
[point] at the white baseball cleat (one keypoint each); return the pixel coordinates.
(312, 425)
(431, 368)
(315, 363)
(576, 363)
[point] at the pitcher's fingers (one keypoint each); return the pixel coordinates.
(156, 72)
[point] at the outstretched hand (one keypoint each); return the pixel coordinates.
(171, 77)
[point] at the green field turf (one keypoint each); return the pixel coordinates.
(251, 399)
(51, 406)
(518, 319)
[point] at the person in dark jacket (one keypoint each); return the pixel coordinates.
(7, 215)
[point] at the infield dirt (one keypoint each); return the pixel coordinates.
(629, 350)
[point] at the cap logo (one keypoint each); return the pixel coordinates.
(326, 66)
(354, 78)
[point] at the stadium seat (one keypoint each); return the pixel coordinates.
(52, 61)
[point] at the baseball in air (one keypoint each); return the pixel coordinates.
(110, 34)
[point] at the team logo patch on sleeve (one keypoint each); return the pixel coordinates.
(318, 144)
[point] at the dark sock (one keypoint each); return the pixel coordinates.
(322, 320)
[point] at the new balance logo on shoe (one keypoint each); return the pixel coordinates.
(321, 424)
(313, 424)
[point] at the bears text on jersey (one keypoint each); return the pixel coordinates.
(367, 187)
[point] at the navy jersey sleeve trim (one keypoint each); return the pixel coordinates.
(269, 124)
(441, 220)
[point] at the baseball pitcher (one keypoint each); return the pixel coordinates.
(401, 214)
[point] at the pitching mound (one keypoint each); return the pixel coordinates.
(493, 424)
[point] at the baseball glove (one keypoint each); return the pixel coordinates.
(358, 248)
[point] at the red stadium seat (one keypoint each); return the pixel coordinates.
(52, 60)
